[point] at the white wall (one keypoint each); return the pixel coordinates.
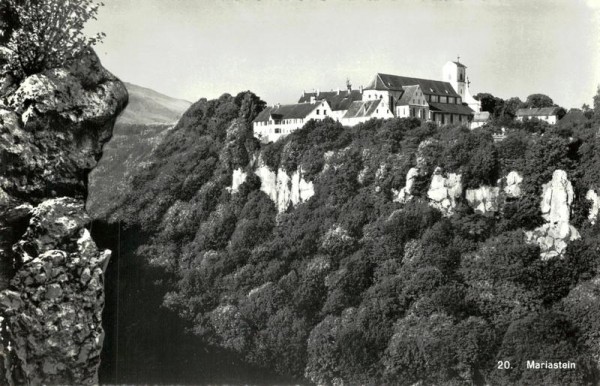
(266, 133)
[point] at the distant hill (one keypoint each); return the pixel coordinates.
(147, 106)
(137, 132)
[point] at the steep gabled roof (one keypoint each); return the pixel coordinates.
(450, 108)
(295, 111)
(360, 109)
(537, 112)
(459, 64)
(337, 101)
(407, 95)
(397, 83)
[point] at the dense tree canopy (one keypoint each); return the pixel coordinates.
(538, 100)
(352, 286)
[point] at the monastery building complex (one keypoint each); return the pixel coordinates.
(387, 96)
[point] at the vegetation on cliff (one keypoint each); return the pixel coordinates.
(354, 286)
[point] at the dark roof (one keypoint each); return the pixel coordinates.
(395, 82)
(337, 101)
(450, 108)
(359, 109)
(536, 112)
(299, 110)
(459, 64)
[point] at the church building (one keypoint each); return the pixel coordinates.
(446, 101)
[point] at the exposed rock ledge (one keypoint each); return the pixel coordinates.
(52, 128)
(444, 192)
(283, 189)
(486, 199)
(553, 237)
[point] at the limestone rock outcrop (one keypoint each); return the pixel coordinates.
(444, 192)
(484, 199)
(513, 184)
(52, 129)
(52, 311)
(238, 178)
(592, 196)
(553, 237)
(405, 194)
(284, 189)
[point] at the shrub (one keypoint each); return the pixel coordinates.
(49, 33)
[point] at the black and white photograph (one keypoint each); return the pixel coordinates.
(300, 192)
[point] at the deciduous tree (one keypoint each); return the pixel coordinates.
(49, 32)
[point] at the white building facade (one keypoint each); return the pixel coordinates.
(546, 114)
(278, 121)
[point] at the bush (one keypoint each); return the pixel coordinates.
(49, 33)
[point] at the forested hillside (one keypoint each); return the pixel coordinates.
(137, 132)
(354, 284)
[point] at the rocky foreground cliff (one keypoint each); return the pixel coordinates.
(52, 128)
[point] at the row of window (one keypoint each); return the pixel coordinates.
(280, 122)
(440, 117)
(443, 99)
(429, 98)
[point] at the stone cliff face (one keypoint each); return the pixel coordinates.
(406, 193)
(557, 197)
(487, 199)
(444, 192)
(283, 189)
(52, 128)
(552, 237)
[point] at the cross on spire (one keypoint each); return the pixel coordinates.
(468, 82)
(458, 58)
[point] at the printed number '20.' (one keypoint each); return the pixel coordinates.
(503, 365)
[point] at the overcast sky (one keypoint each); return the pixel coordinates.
(201, 48)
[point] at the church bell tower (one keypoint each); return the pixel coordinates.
(455, 73)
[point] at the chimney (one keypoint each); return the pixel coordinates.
(338, 91)
(360, 89)
(318, 92)
(312, 99)
(348, 85)
(303, 93)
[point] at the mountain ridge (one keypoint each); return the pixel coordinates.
(148, 106)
